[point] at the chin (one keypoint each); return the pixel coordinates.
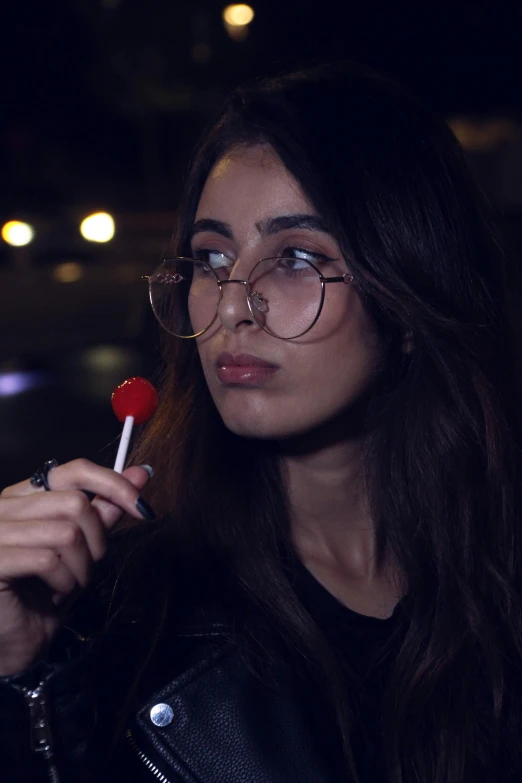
(246, 427)
(284, 422)
(264, 425)
(256, 415)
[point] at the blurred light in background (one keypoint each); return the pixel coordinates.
(236, 19)
(478, 134)
(94, 372)
(17, 233)
(98, 227)
(238, 15)
(68, 272)
(106, 358)
(17, 382)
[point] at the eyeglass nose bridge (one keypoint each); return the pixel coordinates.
(225, 282)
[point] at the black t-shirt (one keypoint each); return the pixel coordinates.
(369, 646)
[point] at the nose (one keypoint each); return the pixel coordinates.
(233, 310)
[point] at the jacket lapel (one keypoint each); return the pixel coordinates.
(226, 726)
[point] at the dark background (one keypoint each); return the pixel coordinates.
(102, 103)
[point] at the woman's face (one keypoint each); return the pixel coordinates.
(316, 376)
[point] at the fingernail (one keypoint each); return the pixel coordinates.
(144, 509)
(149, 470)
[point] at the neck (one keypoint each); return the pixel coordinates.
(330, 519)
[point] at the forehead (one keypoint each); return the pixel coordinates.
(247, 180)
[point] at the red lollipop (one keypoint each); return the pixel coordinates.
(135, 397)
(134, 402)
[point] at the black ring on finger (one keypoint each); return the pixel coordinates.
(40, 476)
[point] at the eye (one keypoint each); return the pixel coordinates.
(213, 258)
(301, 254)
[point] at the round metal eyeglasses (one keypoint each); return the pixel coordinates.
(285, 296)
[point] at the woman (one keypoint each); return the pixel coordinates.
(331, 590)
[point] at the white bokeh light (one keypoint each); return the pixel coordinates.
(98, 227)
(238, 15)
(17, 233)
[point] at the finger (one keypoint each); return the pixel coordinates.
(65, 538)
(61, 508)
(20, 562)
(138, 475)
(77, 474)
(109, 512)
(82, 474)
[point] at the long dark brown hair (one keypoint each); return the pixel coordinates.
(443, 460)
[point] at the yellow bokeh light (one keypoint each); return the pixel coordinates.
(238, 15)
(17, 233)
(68, 272)
(98, 227)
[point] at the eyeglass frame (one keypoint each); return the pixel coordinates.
(346, 278)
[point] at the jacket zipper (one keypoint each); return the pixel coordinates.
(41, 737)
(143, 758)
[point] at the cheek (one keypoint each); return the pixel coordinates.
(343, 343)
(335, 374)
(329, 375)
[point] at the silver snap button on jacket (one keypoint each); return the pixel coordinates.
(161, 715)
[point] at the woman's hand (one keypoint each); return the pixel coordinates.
(49, 542)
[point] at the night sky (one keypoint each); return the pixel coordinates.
(103, 99)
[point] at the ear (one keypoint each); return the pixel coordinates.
(407, 344)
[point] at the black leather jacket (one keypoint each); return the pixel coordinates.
(200, 714)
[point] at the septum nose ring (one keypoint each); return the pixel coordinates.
(259, 302)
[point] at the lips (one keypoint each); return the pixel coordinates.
(243, 360)
(244, 369)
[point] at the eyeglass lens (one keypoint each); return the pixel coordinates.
(285, 296)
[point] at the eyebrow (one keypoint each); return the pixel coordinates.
(265, 227)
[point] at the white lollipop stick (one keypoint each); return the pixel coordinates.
(124, 444)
